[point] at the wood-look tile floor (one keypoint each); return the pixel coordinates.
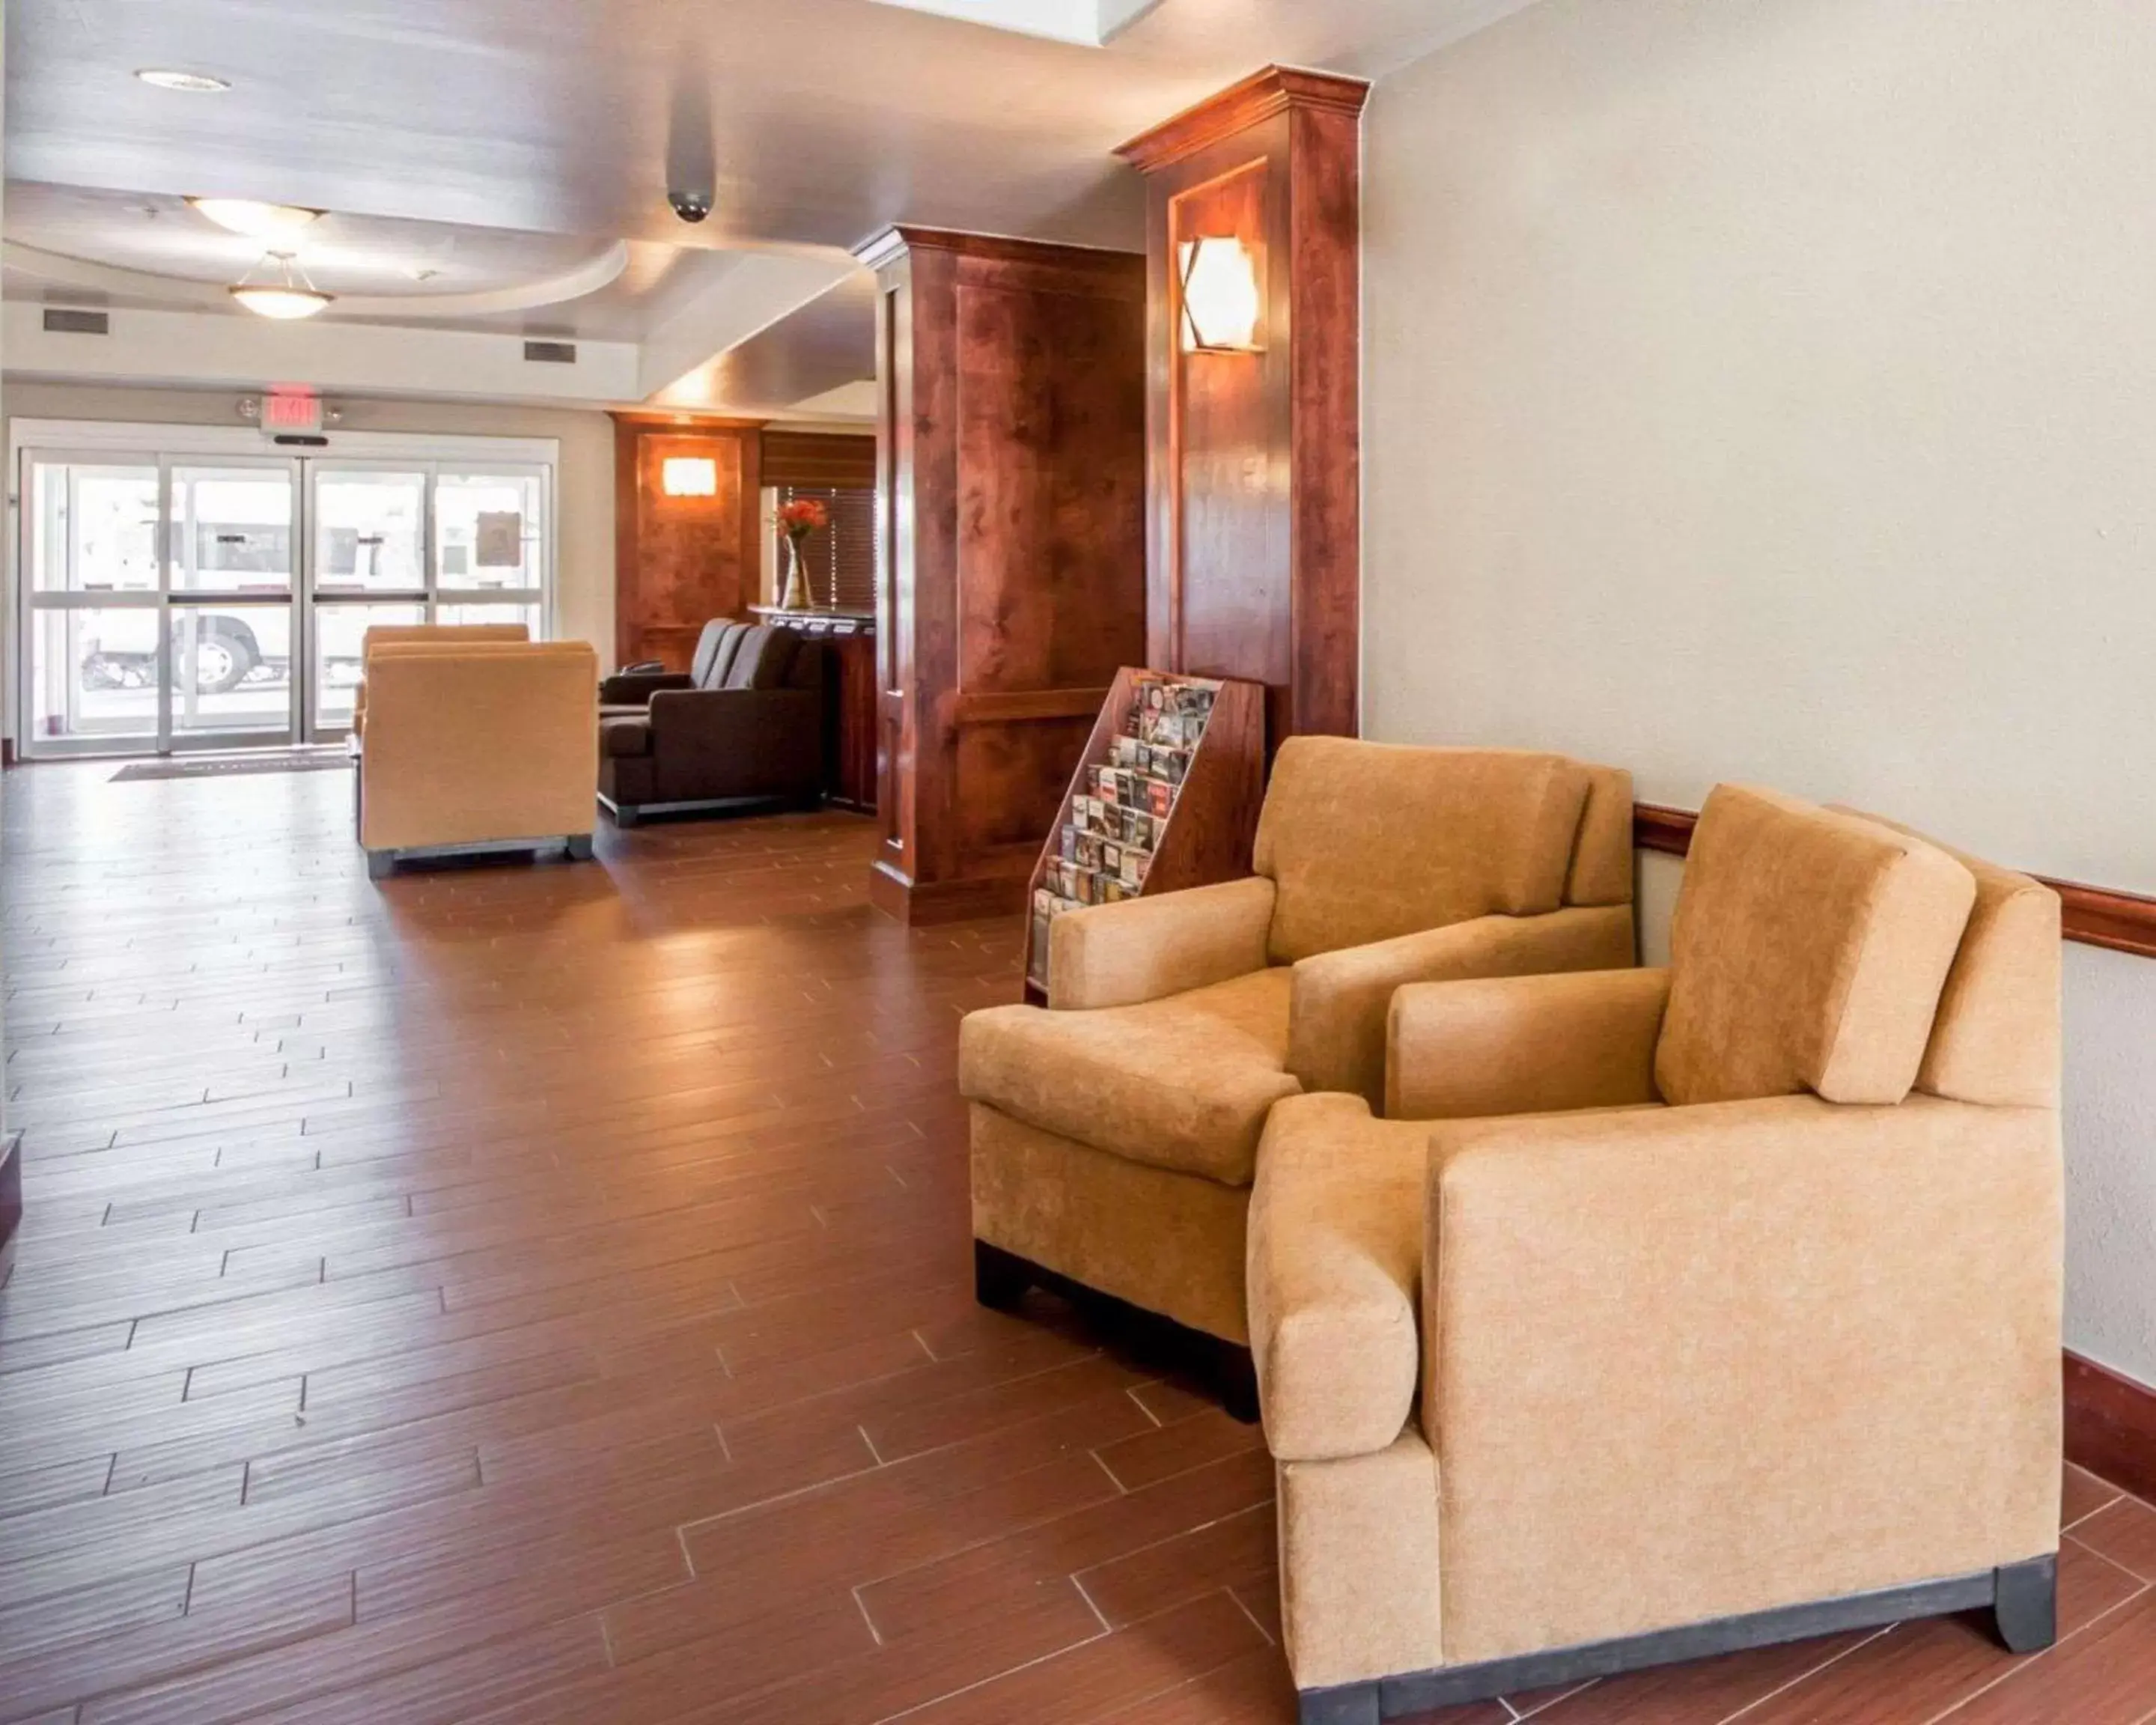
(539, 1292)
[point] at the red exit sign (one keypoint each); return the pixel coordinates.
(288, 410)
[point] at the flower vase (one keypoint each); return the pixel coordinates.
(796, 596)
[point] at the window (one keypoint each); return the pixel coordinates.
(840, 561)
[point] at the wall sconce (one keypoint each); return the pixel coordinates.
(689, 476)
(1222, 306)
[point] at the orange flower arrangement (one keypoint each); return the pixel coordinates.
(801, 517)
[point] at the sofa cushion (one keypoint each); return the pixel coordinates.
(1808, 951)
(1182, 1083)
(629, 734)
(1368, 840)
(1335, 1274)
(714, 652)
(765, 656)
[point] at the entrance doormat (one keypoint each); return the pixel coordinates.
(331, 760)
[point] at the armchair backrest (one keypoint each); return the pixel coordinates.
(498, 739)
(389, 634)
(1809, 952)
(1996, 1038)
(1365, 841)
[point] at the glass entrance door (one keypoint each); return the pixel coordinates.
(172, 602)
(159, 602)
(228, 607)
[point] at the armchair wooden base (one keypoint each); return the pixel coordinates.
(1001, 1279)
(381, 862)
(2022, 1598)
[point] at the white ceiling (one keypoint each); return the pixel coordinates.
(524, 133)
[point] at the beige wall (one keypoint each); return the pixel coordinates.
(583, 480)
(1767, 389)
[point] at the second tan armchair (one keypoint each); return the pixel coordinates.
(1704, 1307)
(483, 745)
(1115, 1133)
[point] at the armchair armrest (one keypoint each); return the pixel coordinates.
(1147, 949)
(1526, 1044)
(1339, 1000)
(631, 688)
(1334, 1277)
(1684, 1363)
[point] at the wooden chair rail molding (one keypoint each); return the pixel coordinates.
(2094, 915)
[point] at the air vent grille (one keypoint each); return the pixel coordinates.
(63, 320)
(551, 353)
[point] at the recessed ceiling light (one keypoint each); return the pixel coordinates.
(196, 83)
(257, 221)
(287, 301)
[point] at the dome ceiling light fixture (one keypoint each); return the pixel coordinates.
(287, 301)
(193, 83)
(254, 219)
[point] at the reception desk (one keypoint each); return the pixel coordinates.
(850, 730)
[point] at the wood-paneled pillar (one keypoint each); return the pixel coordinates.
(681, 560)
(1254, 458)
(1011, 575)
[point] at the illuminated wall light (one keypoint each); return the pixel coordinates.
(1222, 306)
(689, 476)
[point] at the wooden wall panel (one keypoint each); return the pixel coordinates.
(1253, 460)
(679, 562)
(1012, 453)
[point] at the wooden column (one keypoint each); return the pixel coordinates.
(679, 562)
(1011, 576)
(1254, 460)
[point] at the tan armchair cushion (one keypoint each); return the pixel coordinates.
(1603, 862)
(1808, 953)
(1335, 1267)
(1148, 948)
(1526, 1044)
(1336, 1020)
(1996, 1039)
(1182, 1083)
(1369, 840)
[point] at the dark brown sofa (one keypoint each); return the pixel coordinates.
(744, 724)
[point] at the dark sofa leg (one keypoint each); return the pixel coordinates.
(1000, 1278)
(580, 847)
(381, 865)
(2025, 1604)
(1346, 1704)
(1235, 1382)
(625, 816)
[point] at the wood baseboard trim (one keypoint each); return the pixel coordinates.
(2093, 916)
(921, 903)
(2111, 1425)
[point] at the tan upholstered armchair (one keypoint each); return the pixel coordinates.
(485, 745)
(1114, 1133)
(1760, 1340)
